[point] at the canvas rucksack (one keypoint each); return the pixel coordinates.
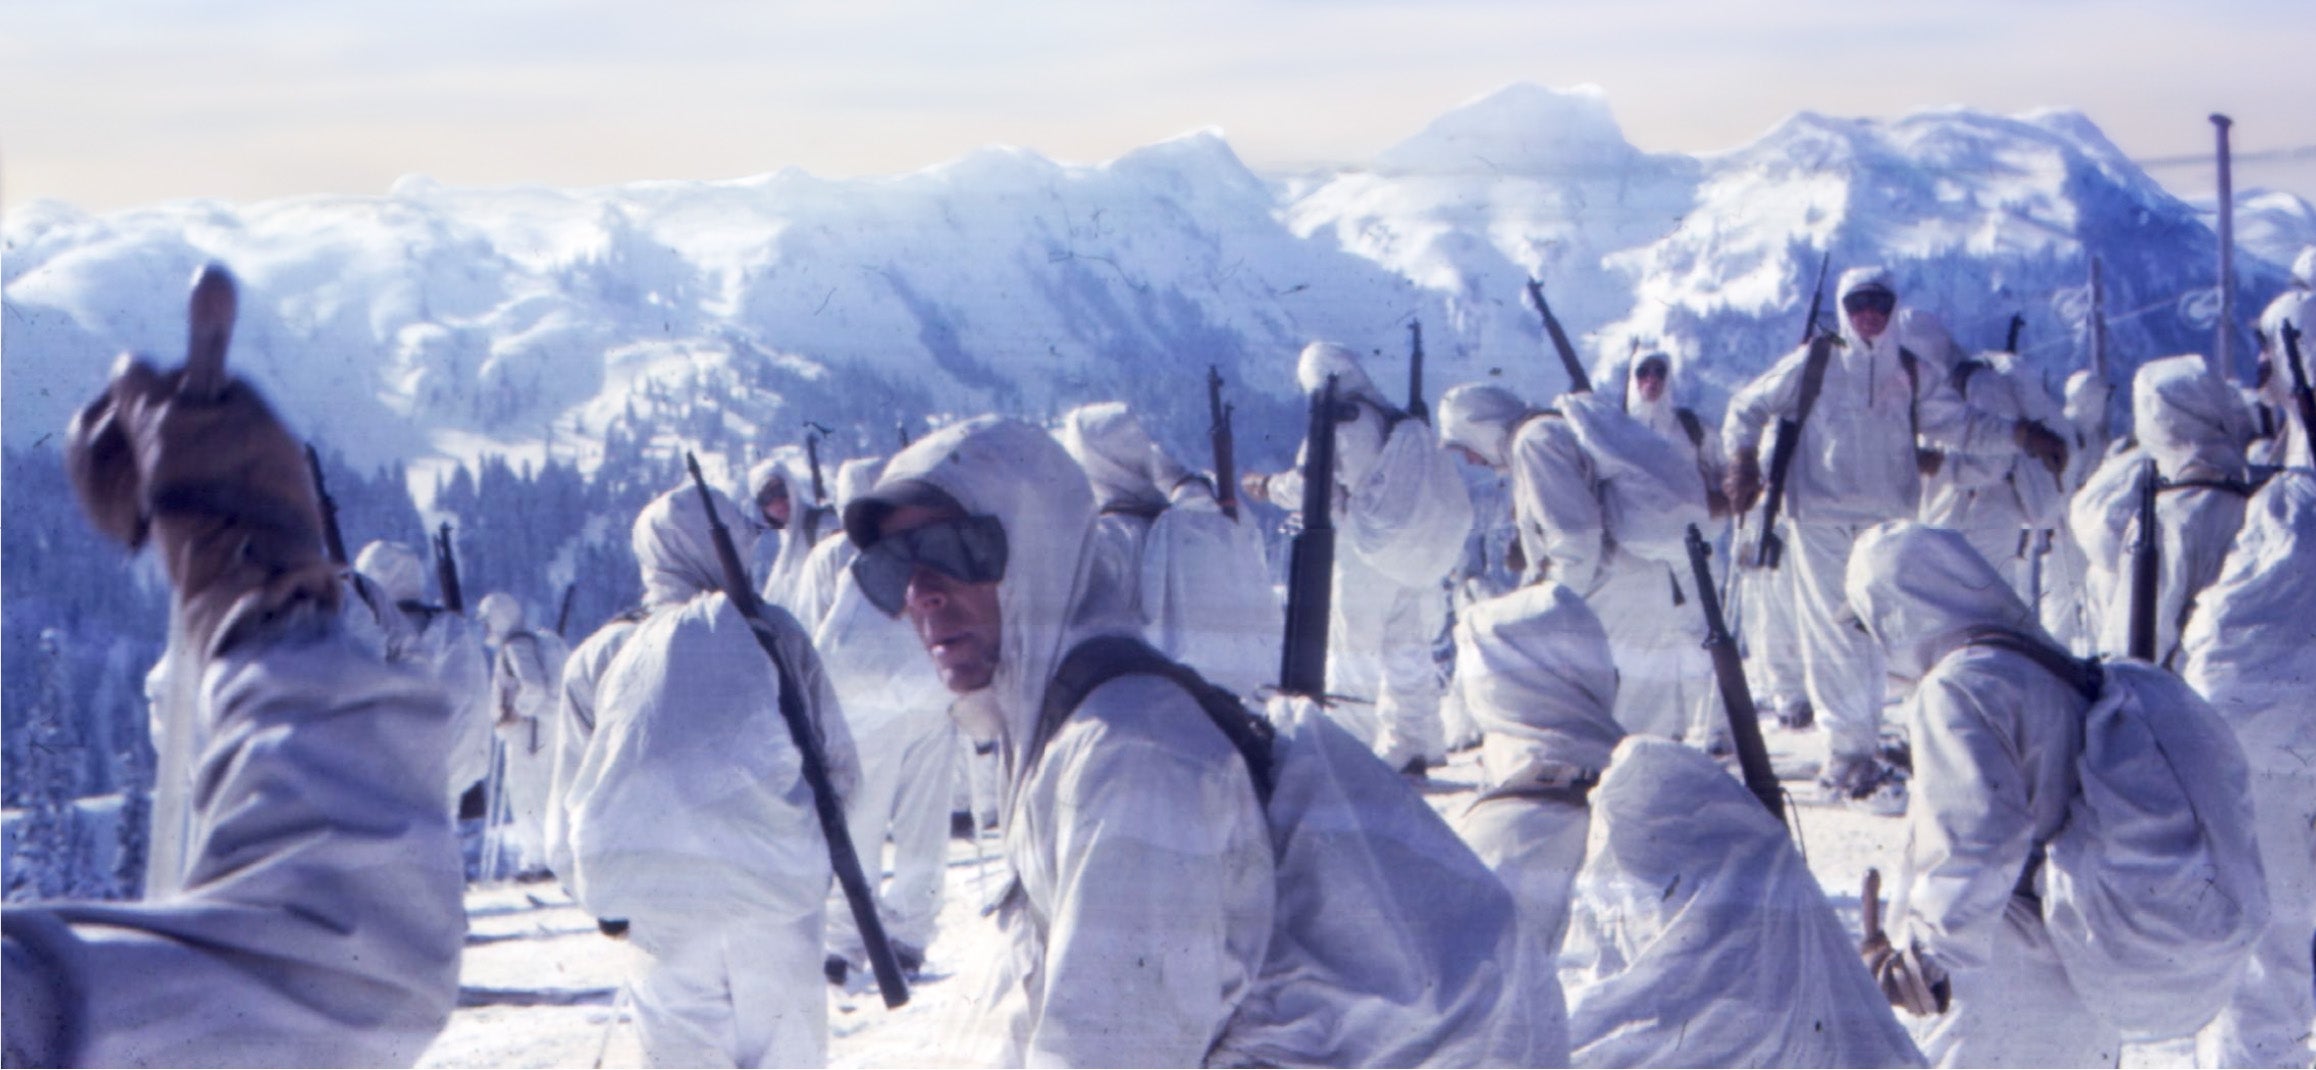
(2153, 889)
(1389, 936)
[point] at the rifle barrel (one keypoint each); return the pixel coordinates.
(838, 835)
(446, 571)
(1816, 297)
(1311, 559)
(2303, 397)
(1578, 381)
(333, 539)
(2146, 569)
(1218, 434)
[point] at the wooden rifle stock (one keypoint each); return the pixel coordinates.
(1736, 695)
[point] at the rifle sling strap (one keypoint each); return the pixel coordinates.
(1692, 427)
(1101, 659)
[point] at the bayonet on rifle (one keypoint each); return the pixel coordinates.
(1578, 381)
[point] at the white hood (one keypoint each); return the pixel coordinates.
(855, 477)
(1118, 456)
(2187, 419)
(992, 466)
(1322, 359)
(1917, 589)
(1658, 415)
(396, 569)
(2304, 267)
(1536, 674)
(1853, 280)
(501, 615)
(1480, 417)
(676, 550)
(1700, 938)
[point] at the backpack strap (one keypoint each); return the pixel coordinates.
(2241, 488)
(1133, 509)
(1101, 659)
(1959, 378)
(1812, 381)
(2081, 674)
(1691, 426)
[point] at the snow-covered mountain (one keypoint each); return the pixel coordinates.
(1712, 257)
(440, 324)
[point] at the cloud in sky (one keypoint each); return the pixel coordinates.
(109, 103)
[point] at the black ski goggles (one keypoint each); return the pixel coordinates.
(1870, 300)
(966, 549)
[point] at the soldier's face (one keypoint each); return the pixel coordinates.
(1652, 383)
(1870, 323)
(958, 622)
(775, 506)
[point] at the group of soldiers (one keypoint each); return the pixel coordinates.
(1077, 624)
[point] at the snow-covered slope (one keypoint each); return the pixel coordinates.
(2270, 224)
(437, 319)
(1712, 257)
(1526, 182)
(439, 324)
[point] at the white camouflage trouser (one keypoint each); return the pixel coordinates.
(743, 989)
(1842, 664)
(1772, 640)
(1654, 643)
(1379, 648)
(2269, 1020)
(907, 772)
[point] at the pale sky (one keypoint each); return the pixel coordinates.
(115, 103)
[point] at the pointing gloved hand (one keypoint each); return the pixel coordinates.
(1908, 979)
(197, 462)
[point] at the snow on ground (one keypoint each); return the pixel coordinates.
(540, 985)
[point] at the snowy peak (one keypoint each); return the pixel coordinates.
(1521, 129)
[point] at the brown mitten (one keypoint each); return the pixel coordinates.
(198, 463)
(2040, 443)
(1908, 979)
(1743, 483)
